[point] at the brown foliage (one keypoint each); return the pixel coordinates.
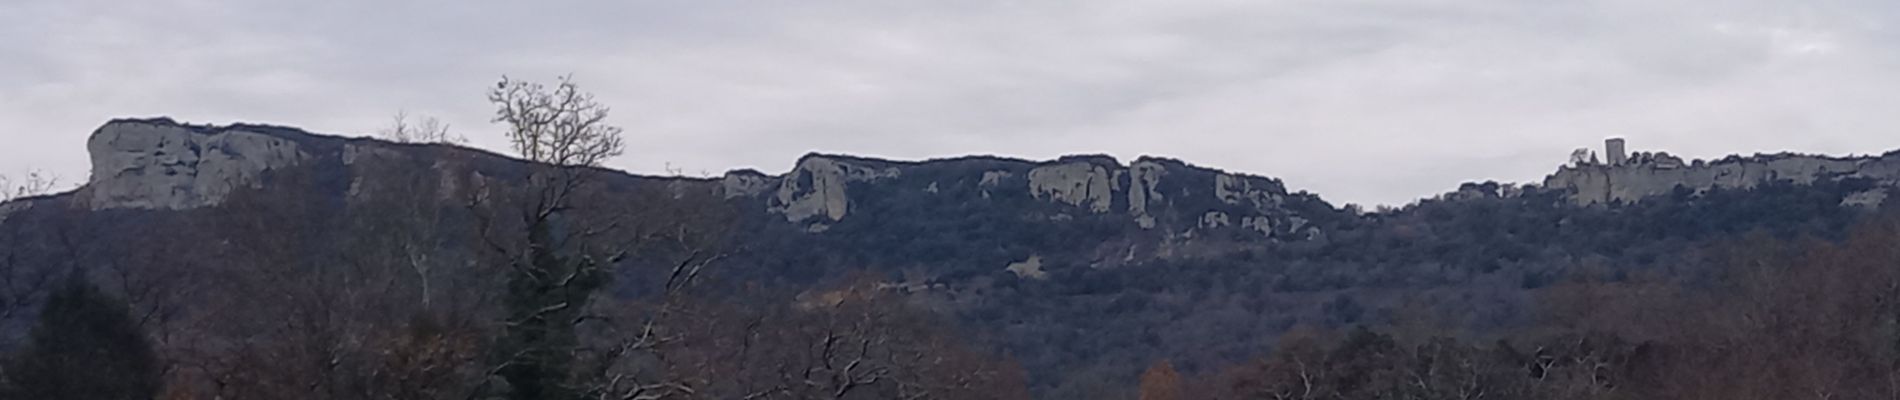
(1785, 319)
(853, 342)
(1161, 382)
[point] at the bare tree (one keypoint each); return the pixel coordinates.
(412, 199)
(554, 266)
(35, 183)
(422, 130)
(852, 342)
(1581, 157)
(636, 347)
(620, 363)
(562, 126)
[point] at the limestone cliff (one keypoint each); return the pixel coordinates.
(744, 183)
(1078, 210)
(162, 164)
(158, 164)
(1164, 195)
(1652, 174)
(1075, 182)
(818, 187)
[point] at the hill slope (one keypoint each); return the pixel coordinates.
(1083, 268)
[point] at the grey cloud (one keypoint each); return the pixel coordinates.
(1371, 101)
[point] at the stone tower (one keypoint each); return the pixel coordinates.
(1613, 148)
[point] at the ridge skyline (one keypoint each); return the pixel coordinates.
(68, 183)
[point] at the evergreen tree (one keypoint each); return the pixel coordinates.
(86, 346)
(544, 300)
(553, 274)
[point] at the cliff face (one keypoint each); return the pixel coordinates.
(990, 212)
(818, 189)
(1653, 174)
(1148, 194)
(1152, 207)
(157, 164)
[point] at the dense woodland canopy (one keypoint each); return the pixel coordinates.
(556, 286)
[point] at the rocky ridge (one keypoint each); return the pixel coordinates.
(1086, 242)
(159, 164)
(1150, 193)
(1644, 174)
(164, 165)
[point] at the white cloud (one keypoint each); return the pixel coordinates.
(1376, 101)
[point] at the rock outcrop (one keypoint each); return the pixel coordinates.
(1148, 206)
(1214, 220)
(1654, 174)
(744, 183)
(1028, 269)
(1236, 189)
(1869, 199)
(993, 178)
(818, 187)
(1143, 178)
(1078, 183)
(158, 164)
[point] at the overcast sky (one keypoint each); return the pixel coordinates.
(1364, 101)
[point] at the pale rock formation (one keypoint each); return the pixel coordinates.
(160, 165)
(1647, 174)
(817, 187)
(993, 178)
(1078, 183)
(1294, 223)
(1145, 221)
(1870, 199)
(1233, 189)
(1143, 177)
(744, 184)
(1886, 167)
(1215, 219)
(1261, 224)
(1264, 196)
(1028, 269)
